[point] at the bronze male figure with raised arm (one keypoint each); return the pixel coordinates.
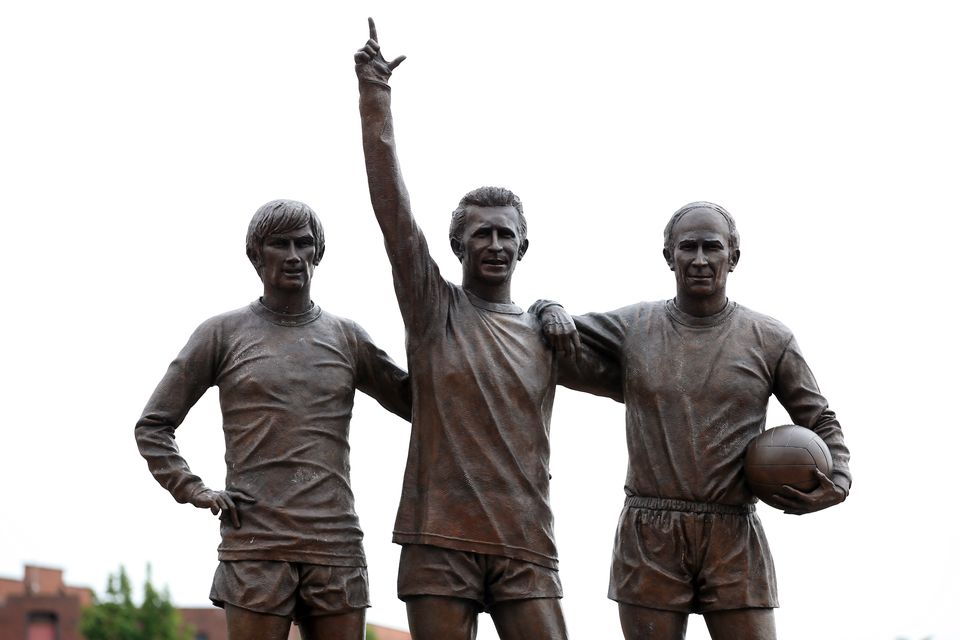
(474, 518)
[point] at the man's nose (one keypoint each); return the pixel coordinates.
(701, 259)
(292, 255)
(495, 244)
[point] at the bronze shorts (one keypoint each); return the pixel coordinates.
(426, 570)
(290, 589)
(692, 557)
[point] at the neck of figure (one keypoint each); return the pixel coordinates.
(497, 293)
(286, 301)
(702, 306)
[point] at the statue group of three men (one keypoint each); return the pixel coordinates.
(695, 374)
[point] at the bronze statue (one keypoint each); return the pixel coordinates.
(287, 372)
(474, 517)
(698, 371)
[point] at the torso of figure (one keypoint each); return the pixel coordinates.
(286, 386)
(696, 391)
(477, 475)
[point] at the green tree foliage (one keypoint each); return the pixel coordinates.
(117, 617)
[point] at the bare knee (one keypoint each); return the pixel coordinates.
(529, 619)
(350, 625)
(244, 624)
(643, 623)
(741, 624)
(435, 617)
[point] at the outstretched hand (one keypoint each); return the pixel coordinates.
(559, 331)
(225, 501)
(797, 503)
(371, 65)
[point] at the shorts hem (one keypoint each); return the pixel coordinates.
(698, 610)
(408, 595)
(222, 604)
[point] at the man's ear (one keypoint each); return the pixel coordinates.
(254, 257)
(668, 256)
(323, 250)
(457, 247)
(734, 258)
(523, 249)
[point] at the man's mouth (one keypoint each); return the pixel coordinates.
(497, 262)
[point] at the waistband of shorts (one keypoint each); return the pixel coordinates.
(672, 504)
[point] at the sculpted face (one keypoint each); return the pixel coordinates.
(491, 244)
(286, 260)
(701, 256)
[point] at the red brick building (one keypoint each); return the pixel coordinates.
(41, 607)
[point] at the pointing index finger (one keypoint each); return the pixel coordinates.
(373, 29)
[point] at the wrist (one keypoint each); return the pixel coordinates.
(542, 305)
(374, 81)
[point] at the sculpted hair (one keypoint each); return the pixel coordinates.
(486, 197)
(281, 216)
(687, 208)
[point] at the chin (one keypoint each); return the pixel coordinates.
(495, 278)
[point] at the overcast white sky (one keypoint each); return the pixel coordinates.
(137, 139)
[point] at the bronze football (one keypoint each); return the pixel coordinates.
(788, 455)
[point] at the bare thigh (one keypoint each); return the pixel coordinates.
(442, 618)
(243, 624)
(741, 624)
(530, 619)
(642, 623)
(340, 626)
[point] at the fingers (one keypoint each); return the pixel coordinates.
(577, 345)
(826, 481)
(231, 499)
(225, 503)
(229, 508)
(239, 496)
(561, 335)
(371, 51)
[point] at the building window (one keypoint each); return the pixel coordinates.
(42, 626)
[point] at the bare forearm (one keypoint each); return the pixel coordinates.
(388, 194)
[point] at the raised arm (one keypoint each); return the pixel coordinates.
(416, 277)
(388, 194)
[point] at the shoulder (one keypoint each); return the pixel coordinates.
(227, 321)
(763, 325)
(338, 326)
(761, 320)
(641, 311)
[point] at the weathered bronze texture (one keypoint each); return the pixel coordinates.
(698, 371)
(287, 372)
(474, 515)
